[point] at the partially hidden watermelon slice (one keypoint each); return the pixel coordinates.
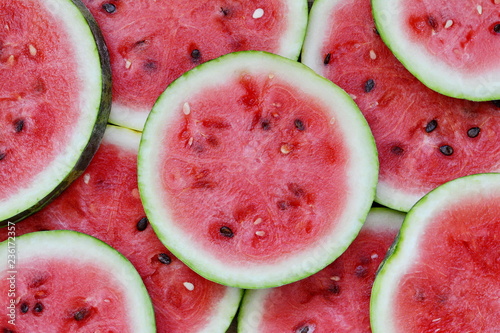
(151, 42)
(65, 281)
(54, 100)
(104, 202)
(255, 171)
(452, 46)
(336, 298)
(443, 273)
(424, 139)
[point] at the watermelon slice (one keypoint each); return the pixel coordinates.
(443, 274)
(452, 46)
(104, 202)
(423, 138)
(336, 297)
(54, 97)
(283, 196)
(65, 281)
(151, 42)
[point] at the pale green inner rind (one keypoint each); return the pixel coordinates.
(406, 248)
(223, 315)
(89, 71)
(362, 175)
(87, 250)
(428, 68)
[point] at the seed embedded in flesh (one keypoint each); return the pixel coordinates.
(164, 259)
(283, 205)
(38, 308)
(327, 59)
(195, 54)
(446, 150)
(142, 224)
(496, 28)
(369, 85)
(81, 314)
(431, 125)
(109, 8)
(226, 232)
(473, 132)
(432, 22)
(397, 150)
(224, 11)
(299, 124)
(2, 155)
(25, 307)
(18, 125)
(303, 329)
(361, 271)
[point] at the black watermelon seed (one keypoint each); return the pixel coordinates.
(496, 103)
(224, 11)
(299, 124)
(397, 150)
(473, 132)
(361, 271)
(25, 307)
(266, 125)
(446, 150)
(369, 85)
(431, 125)
(334, 289)
(375, 30)
(303, 329)
(496, 28)
(150, 66)
(81, 314)
(164, 258)
(6, 330)
(142, 224)
(2, 155)
(18, 125)
(226, 232)
(432, 22)
(283, 205)
(38, 308)
(327, 59)
(109, 8)
(195, 54)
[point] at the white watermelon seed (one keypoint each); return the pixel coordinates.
(479, 9)
(86, 178)
(257, 221)
(258, 13)
(448, 24)
(286, 148)
(10, 60)
(271, 76)
(260, 233)
(189, 286)
(186, 108)
(373, 55)
(374, 256)
(335, 278)
(32, 50)
(107, 300)
(127, 64)
(436, 320)
(190, 141)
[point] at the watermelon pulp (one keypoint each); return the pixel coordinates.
(336, 297)
(423, 138)
(54, 102)
(77, 283)
(255, 168)
(443, 273)
(104, 202)
(152, 43)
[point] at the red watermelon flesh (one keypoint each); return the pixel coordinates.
(336, 297)
(104, 202)
(423, 138)
(31, 89)
(151, 43)
(37, 288)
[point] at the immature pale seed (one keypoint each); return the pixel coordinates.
(258, 13)
(186, 108)
(189, 286)
(448, 24)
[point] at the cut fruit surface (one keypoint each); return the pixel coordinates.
(54, 97)
(152, 42)
(453, 47)
(104, 202)
(336, 297)
(423, 138)
(77, 283)
(443, 271)
(255, 171)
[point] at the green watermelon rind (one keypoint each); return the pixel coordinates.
(252, 311)
(431, 71)
(320, 255)
(88, 250)
(399, 257)
(85, 145)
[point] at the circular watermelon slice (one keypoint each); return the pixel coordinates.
(151, 42)
(424, 138)
(54, 97)
(104, 203)
(453, 47)
(443, 274)
(336, 297)
(66, 281)
(255, 171)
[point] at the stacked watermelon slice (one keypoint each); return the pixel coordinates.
(216, 162)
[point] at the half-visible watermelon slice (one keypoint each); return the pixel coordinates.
(104, 202)
(153, 42)
(255, 171)
(452, 46)
(423, 138)
(65, 281)
(443, 274)
(335, 299)
(54, 100)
